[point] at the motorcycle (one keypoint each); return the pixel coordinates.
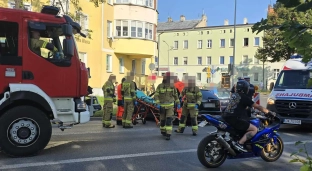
(218, 146)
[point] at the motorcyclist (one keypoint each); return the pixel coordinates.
(233, 88)
(235, 113)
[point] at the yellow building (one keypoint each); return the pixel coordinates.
(123, 36)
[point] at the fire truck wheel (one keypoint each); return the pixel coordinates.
(24, 131)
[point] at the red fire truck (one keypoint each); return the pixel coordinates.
(37, 88)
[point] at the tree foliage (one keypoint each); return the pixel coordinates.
(292, 19)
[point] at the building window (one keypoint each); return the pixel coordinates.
(121, 65)
(143, 64)
(199, 60)
(185, 60)
(109, 63)
(185, 44)
(147, 3)
(27, 6)
(245, 74)
(208, 32)
(148, 31)
(231, 60)
(109, 29)
(209, 43)
(257, 41)
(208, 60)
(110, 2)
(133, 66)
(135, 28)
(245, 59)
(246, 42)
(199, 44)
(175, 45)
(275, 73)
(256, 76)
(232, 41)
(175, 61)
(221, 59)
(84, 22)
(256, 60)
(198, 76)
(83, 58)
(222, 43)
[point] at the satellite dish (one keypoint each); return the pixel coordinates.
(151, 66)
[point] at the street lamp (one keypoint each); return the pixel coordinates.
(168, 53)
(234, 47)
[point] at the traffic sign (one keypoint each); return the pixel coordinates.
(213, 71)
(151, 66)
(152, 78)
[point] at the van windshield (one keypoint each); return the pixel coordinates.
(293, 79)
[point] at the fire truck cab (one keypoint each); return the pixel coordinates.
(36, 88)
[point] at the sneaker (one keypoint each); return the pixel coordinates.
(239, 147)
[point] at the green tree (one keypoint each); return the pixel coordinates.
(275, 45)
(293, 19)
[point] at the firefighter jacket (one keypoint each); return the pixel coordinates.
(128, 91)
(36, 44)
(109, 91)
(166, 96)
(119, 92)
(192, 96)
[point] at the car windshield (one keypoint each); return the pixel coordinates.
(223, 94)
(293, 79)
(208, 94)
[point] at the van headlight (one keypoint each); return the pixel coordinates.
(271, 101)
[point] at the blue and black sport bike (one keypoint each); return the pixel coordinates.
(218, 146)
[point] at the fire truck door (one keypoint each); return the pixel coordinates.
(10, 50)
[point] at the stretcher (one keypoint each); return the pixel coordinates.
(145, 105)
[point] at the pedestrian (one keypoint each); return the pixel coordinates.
(129, 100)
(192, 101)
(109, 98)
(166, 97)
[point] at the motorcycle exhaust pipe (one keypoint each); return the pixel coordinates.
(225, 145)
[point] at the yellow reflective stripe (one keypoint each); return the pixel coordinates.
(157, 101)
(189, 94)
(195, 127)
(191, 104)
(107, 98)
(156, 94)
(128, 121)
(199, 93)
(177, 101)
(168, 105)
(44, 44)
(162, 127)
(181, 125)
(168, 128)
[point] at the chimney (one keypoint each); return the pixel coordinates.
(245, 21)
(182, 18)
(169, 19)
(226, 22)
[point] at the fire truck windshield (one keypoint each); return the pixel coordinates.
(48, 43)
(293, 79)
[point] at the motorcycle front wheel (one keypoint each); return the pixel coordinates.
(272, 151)
(210, 153)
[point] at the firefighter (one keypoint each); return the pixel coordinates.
(129, 100)
(109, 98)
(166, 97)
(119, 104)
(193, 97)
(36, 44)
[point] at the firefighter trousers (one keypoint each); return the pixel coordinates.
(193, 115)
(128, 113)
(166, 117)
(107, 112)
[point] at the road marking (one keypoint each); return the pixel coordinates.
(91, 159)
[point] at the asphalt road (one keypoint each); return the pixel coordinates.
(91, 147)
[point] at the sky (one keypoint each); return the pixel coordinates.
(216, 10)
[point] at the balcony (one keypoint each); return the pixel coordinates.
(139, 48)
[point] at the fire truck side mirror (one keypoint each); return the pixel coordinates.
(68, 47)
(67, 30)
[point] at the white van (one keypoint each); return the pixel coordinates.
(291, 96)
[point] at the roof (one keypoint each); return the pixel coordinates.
(160, 29)
(177, 25)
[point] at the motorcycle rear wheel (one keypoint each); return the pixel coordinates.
(278, 147)
(206, 148)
